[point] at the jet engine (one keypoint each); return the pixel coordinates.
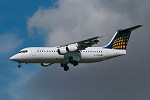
(71, 48)
(62, 51)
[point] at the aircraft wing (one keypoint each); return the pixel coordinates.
(81, 45)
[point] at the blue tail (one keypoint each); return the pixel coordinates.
(121, 38)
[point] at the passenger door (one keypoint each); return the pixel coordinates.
(33, 50)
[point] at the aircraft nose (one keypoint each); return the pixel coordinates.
(16, 58)
(11, 58)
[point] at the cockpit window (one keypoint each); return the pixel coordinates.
(24, 51)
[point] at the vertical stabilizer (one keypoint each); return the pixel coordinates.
(121, 38)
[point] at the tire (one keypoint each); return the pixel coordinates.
(66, 68)
(75, 63)
(19, 65)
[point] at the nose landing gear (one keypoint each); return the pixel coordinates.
(19, 65)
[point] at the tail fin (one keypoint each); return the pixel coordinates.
(121, 38)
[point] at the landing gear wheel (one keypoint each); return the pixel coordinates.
(75, 63)
(19, 65)
(66, 68)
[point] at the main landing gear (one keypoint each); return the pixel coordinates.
(66, 68)
(73, 62)
(19, 65)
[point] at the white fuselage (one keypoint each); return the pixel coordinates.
(51, 55)
(76, 52)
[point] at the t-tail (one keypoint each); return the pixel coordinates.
(121, 38)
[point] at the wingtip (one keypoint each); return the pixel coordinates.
(139, 25)
(100, 36)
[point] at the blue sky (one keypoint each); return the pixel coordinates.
(14, 15)
(13, 24)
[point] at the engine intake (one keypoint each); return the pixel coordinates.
(62, 51)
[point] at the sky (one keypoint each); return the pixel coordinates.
(57, 22)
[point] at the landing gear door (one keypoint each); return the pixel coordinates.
(33, 50)
(76, 56)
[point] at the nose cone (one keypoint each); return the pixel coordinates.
(12, 58)
(16, 58)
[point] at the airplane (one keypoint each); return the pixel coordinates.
(76, 52)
